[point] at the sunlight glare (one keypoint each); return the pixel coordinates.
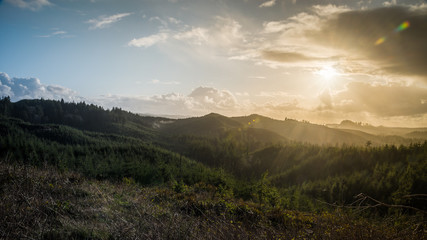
(327, 75)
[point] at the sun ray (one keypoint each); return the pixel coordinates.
(327, 76)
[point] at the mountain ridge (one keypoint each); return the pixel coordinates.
(91, 117)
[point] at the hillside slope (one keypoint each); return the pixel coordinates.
(47, 204)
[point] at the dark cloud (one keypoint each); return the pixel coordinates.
(403, 52)
(27, 88)
(384, 101)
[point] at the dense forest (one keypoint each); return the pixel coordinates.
(276, 165)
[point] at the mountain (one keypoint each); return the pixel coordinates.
(212, 124)
(252, 128)
(301, 131)
(381, 130)
(197, 167)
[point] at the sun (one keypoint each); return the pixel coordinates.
(327, 72)
(327, 75)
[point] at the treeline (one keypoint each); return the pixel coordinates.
(98, 155)
(389, 174)
(78, 115)
(305, 173)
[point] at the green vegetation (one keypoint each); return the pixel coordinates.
(48, 204)
(83, 172)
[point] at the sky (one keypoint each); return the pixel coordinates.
(322, 61)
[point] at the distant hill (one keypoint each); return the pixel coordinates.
(381, 130)
(209, 125)
(302, 131)
(253, 129)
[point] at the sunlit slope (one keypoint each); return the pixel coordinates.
(209, 125)
(215, 125)
(302, 131)
(270, 130)
(266, 129)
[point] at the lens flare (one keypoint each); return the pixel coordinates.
(400, 28)
(380, 41)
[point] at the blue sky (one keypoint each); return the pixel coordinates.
(312, 60)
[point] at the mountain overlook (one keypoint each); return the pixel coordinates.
(77, 171)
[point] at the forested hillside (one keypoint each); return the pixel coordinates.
(252, 165)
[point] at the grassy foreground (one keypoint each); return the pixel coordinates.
(43, 203)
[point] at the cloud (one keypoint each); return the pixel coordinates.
(389, 3)
(280, 56)
(330, 9)
(277, 109)
(201, 100)
(339, 35)
(156, 81)
(149, 41)
(213, 99)
(359, 101)
(174, 20)
(274, 26)
(224, 34)
(105, 21)
(356, 32)
(268, 4)
(33, 5)
(29, 88)
(197, 35)
(325, 99)
(56, 33)
(382, 100)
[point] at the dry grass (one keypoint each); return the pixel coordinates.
(46, 204)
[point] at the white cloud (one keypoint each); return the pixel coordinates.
(149, 41)
(201, 100)
(105, 21)
(157, 81)
(28, 88)
(389, 3)
(213, 99)
(164, 23)
(257, 77)
(196, 35)
(57, 33)
(33, 5)
(242, 94)
(268, 4)
(228, 32)
(224, 34)
(329, 10)
(274, 26)
(174, 20)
